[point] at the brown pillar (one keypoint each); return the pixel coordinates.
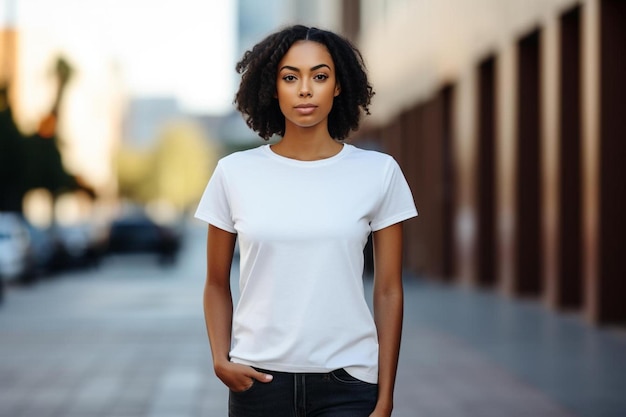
(527, 269)
(449, 183)
(568, 286)
(486, 200)
(415, 245)
(421, 141)
(432, 189)
(605, 232)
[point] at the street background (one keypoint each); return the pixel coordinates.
(127, 339)
(506, 117)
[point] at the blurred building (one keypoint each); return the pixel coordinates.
(506, 118)
(504, 115)
(277, 13)
(145, 117)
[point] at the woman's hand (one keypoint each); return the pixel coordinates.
(380, 412)
(239, 378)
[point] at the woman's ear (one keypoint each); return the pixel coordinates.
(337, 89)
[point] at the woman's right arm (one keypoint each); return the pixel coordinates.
(218, 302)
(218, 311)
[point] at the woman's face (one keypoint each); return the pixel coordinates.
(306, 84)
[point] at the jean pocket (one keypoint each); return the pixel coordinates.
(247, 390)
(342, 376)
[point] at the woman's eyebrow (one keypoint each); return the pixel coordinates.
(290, 68)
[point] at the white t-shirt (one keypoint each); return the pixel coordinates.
(302, 227)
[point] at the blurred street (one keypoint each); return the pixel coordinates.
(127, 340)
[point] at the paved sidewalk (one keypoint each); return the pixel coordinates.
(514, 355)
(128, 340)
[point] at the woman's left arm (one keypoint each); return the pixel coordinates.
(388, 311)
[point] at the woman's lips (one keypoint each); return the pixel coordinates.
(305, 108)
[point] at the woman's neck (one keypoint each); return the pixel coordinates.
(307, 145)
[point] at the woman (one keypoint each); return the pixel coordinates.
(302, 341)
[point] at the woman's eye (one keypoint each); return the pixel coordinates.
(289, 78)
(321, 77)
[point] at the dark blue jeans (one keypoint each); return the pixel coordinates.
(335, 394)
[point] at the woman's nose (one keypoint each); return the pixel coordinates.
(305, 91)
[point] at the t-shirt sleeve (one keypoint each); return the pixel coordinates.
(214, 207)
(396, 203)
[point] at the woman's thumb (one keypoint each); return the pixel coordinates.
(260, 376)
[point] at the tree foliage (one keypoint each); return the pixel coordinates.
(175, 170)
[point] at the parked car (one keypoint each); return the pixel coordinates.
(45, 249)
(17, 261)
(81, 244)
(139, 234)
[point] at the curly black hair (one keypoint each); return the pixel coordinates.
(258, 68)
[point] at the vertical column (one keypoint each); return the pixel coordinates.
(527, 269)
(415, 246)
(565, 281)
(448, 181)
(432, 161)
(485, 174)
(605, 169)
(427, 161)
